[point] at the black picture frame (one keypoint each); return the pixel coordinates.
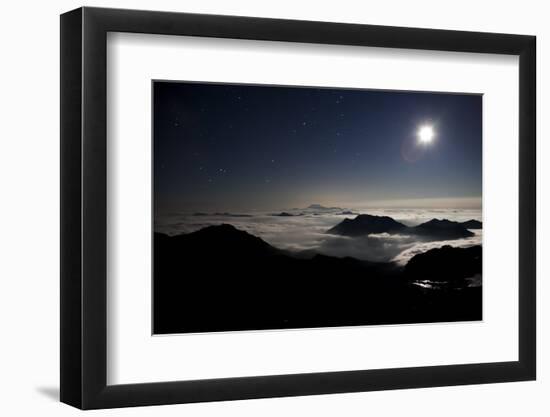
(83, 207)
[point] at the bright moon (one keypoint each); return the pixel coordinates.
(426, 134)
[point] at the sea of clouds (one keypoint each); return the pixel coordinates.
(306, 230)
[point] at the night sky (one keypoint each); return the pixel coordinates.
(237, 147)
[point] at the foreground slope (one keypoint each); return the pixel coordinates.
(221, 278)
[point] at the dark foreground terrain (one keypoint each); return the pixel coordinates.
(221, 279)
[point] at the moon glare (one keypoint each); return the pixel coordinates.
(426, 134)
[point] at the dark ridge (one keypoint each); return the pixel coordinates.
(321, 207)
(226, 214)
(365, 224)
(226, 239)
(442, 229)
(472, 224)
(446, 264)
(285, 214)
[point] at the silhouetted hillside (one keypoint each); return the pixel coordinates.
(286, 214)
(221, 278)
(321, 207)
(441, 229)
(226, 214)
(472, 224)
(365, 224)
(446, 264)
(347, 213)
(223, 240)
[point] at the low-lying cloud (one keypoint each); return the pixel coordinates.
(305, 231)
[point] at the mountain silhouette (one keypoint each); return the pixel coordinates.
(226, 214)
(221, 239)
(472, 224)
(365, 224)
(441, 229)
(320, 207)
(220, 278)
(347, 212)
(434, 264)
(286, 214)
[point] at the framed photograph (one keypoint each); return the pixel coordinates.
(259, 208)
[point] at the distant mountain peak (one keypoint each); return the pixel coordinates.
(321, 207)
(443, 229)
(438, 223)
(472, 224)
(365, 224)
(285, 214)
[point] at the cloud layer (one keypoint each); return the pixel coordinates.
(305, 231)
